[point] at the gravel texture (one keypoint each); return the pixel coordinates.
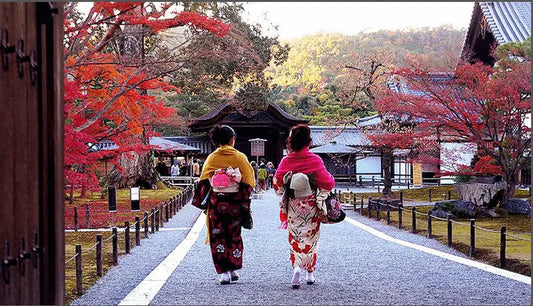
(354, 267)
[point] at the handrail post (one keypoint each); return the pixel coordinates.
(429, 225)
(503, 243)
(369, 207)
(157, 219)
(378, 210)
(472, 237)
(79, 270)
(449, 194)
(449, 221)
(145, 220)
(361, 209)
(401, 197)
(388, 213)
(413, 219)
(400, 208)
(161, 216)
(166, 211)
(152, 221)
(430, 192)
(115, 246)
(137, 231)
(76, 219)
(127, 236)
(87, 216)
(99, 255)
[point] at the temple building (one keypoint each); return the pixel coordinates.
(493, 24)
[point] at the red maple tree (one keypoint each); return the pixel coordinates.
(110, 80)
(478, 104)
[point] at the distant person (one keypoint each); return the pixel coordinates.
(162, 168)
(262, 175)
(225, 210)
(271, 171)
(299, 211)
(256, 168)
(175, 169)
(195, 168)
(183, 169)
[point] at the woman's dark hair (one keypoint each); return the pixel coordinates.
(222, 134)
(299, 137)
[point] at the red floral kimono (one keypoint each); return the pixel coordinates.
(224, 211)
(302, 215)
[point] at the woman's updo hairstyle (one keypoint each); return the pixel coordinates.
(222, 134)
(299, 137)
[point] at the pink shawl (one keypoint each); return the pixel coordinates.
(305, 161)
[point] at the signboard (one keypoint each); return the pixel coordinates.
(258, 147)
(135, 198)
(417, 174)
(112, 198)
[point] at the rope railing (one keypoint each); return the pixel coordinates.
(375, 207)
(461, 223)
(486, 229)
(71, 258)
(110, 237)
(517, 237)
(159, 214)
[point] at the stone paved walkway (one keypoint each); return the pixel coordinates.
(357, 264)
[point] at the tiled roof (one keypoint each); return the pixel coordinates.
(370, 120)
(203, 142)
(508, 21)
(334, 147)
(165, 144)
(350, 136)
(404, 88)
(160, 142)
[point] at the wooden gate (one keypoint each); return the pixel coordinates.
(31, 153)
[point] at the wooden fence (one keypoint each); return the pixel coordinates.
(149, 224)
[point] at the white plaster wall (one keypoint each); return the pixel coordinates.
(370, 164)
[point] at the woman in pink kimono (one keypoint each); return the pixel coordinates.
(301, 214)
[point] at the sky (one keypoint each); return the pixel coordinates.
(297, 19)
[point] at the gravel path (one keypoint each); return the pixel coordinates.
(354, 267)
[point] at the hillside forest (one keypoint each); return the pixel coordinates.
(313, 82)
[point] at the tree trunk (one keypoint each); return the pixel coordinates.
(387, 162)
(511, 179)
(137, 170)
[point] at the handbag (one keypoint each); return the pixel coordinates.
(246, 220)
(202, 195)
(335, 213)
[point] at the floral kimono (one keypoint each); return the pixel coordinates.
(302, 214)
(303, 224)
(224, 211)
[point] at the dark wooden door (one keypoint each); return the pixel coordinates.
(31, 153)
